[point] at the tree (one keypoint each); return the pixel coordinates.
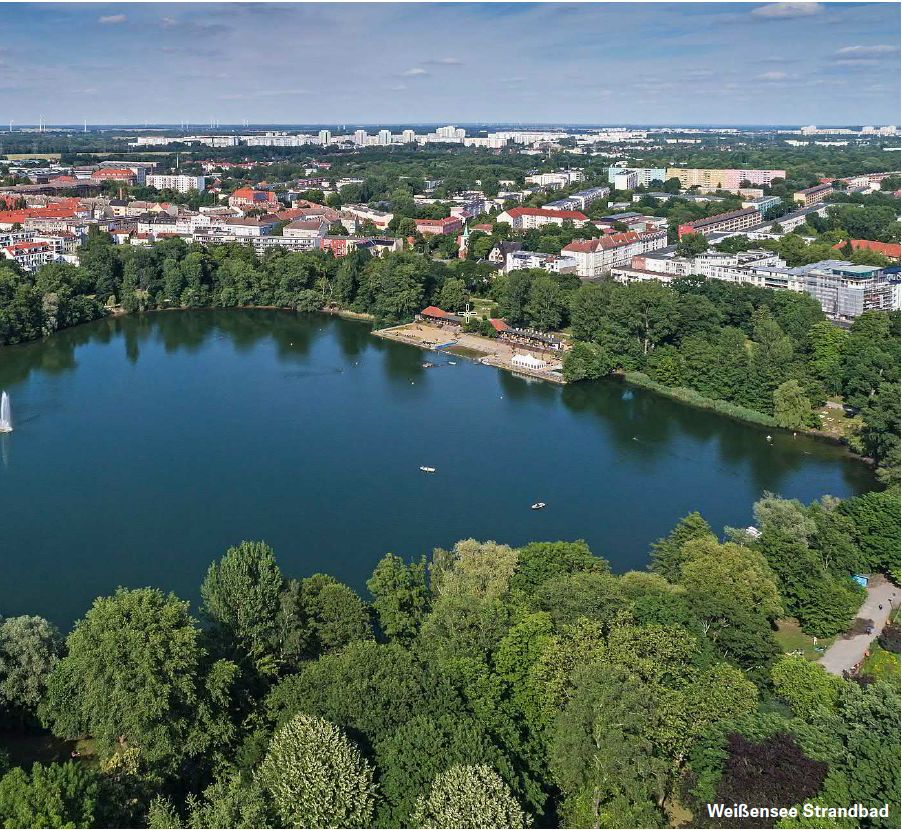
(55, 795)
(317, 777)
(691, 245)
(828, 343)
(546, 305)
(667, 553)
(323, 615)
(538, 562)
(875, 519)
(792, 409)
(586, 361)
(241, 599)
(136, 674)
(469, 796)
(601, 754)
(453, 295)
(879, 435)
(804, 685)
(400, 596)
(423, 748)
(30, 647)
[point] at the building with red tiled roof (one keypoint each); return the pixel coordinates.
(247, 197)
(524, 218)
(889, 249)
(114, 174)
(595, 257)
(439, 227)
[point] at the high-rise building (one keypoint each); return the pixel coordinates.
(384, 137)
(325, 137)
(360, 137)
(408, 136)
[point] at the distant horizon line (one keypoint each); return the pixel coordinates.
(513, 125)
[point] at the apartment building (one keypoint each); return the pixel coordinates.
(579, 200)
(354, 214)
(246, 198)
(179, 183)
(644, 176)
(595, 257)
(563, 264)
(29, 255)
(313, 230)
(812, 195)
(843, 289)
(735, 220)
(727, 179)
(439, 227)
(523, 218)
(562, 178)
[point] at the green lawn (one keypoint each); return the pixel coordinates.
(881, 664)
(790, 638)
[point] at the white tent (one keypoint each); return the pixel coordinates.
(527, 361)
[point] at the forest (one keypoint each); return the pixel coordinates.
(481, 686)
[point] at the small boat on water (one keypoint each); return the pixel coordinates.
(428, 469)
(452, 363)
(428, 365)
(538, 505)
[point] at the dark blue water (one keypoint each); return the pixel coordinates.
(145, 446)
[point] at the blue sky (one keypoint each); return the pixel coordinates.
(344, 63)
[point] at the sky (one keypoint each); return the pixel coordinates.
(395, 63)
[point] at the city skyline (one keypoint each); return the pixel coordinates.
(347, 63)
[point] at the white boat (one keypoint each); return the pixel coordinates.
(428, 469)
(538, 505)
(451, 363)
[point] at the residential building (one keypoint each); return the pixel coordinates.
(498, 254)
(595, 257)
(735, 220)
(843, 289)
(627, 180)
(115, 174)
(556, 180)
(313, 230)
(563, 264)
(579, 200)
(29, 256)
(523, 218)
(363, 213)
(246, 198)
(439, 227)
(325, 137)
(383, 137)
(727, 179)
(632, 221)
(812, 195)
(889, 249)
(762, 204)
(179, 183)
(644, 176)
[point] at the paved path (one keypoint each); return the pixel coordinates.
(848, 649)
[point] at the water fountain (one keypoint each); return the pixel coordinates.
(6, 418)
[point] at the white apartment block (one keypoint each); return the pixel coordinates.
(517, 260)
(562, 178)
(179, 183)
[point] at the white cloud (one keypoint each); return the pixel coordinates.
(857, 51)
(772, 76)
(446, 62)
(108, 19)
(787, 10)
(415, 71)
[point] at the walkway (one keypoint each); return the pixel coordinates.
(848, 650)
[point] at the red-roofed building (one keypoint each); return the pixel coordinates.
(595, 257)
(246, 198)
(114, 174)
(524, 218)
(29, 255)
(434, 314)
(57, 211)
(889, 249)
(439, 227)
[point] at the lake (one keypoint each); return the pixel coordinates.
(144, 446)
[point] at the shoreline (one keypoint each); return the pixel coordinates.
(360, 317)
